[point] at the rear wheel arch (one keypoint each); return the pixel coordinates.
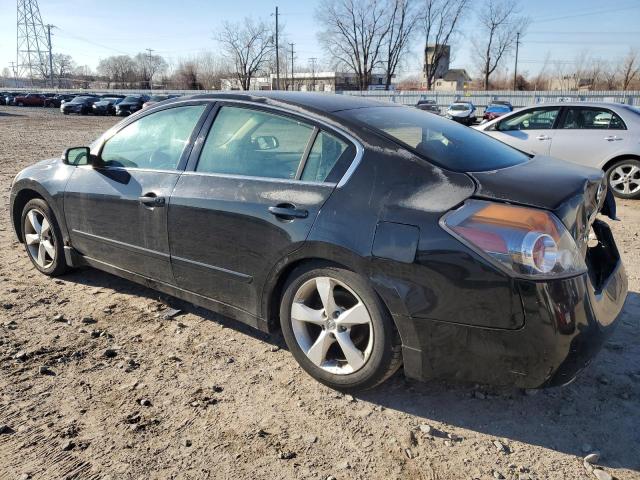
(615, 160)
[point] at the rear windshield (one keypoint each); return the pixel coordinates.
(498, 108)
(443, 142)
(460, 106)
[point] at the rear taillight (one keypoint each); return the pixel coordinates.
(523, 241)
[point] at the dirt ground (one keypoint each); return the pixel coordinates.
(96, 384)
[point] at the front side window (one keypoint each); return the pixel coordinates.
(591, 119)
(155, 141)
(254, 143)
(534, 119)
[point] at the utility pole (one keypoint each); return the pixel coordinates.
(313, 60)
(292, 78)
(49, 27)
(277, 53)
(149, 54)
(515, 70)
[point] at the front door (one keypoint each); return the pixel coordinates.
(530, 131)
(589, 136)
(250, 197)
(116, 209)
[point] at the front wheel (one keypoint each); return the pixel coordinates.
(42, 238)
(337, 328)
(623, 178)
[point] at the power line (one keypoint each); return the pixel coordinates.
(584, 14)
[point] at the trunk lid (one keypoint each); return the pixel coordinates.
(575, 194)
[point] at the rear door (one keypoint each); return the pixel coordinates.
(253, 189)
(589, 136)
(530, 130)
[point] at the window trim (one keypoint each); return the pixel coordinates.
(566, 109)
(317, 124)
(182, 163)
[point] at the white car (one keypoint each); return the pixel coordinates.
(463, 112)
(600, 135)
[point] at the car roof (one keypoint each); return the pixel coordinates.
(577, 104)
(319, 102)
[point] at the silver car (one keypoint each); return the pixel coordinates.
(600, 135)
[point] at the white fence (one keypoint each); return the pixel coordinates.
(482, 98)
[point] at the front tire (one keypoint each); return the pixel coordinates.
(337, 328)
(623, 178)
(42, 238)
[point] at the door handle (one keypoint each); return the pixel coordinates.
(543, 137)
(152, 200)
(287, 211)
(612, 138)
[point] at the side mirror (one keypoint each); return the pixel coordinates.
(77, 156)
(265, 142)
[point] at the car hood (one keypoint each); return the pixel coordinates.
(573, 192)
(459, 113)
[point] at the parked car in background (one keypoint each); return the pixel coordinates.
(3, 100)
(371, 234)
(600, 135)
(10, 98)
(82, 105)
(131, 104)
(106, 106)
(428, 105)
(155, 99)
(495, 110)
(463, 112)
(57, 100)
(30, 100)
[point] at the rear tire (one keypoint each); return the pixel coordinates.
(353, 347)
(42, 238)
(623, 179)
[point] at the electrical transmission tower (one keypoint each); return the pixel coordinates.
(33, 46)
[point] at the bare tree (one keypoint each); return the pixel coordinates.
(249, 46)
(499, 23)
(441, 19)
(629, 69)
(211, 69)
(402, 21)
(148, 65)
(353, 32)
(63, 65)
(119, 69)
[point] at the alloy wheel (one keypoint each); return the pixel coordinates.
(332, 325)
(39, 238)
(625, 179)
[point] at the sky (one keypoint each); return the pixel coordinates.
(89, 30)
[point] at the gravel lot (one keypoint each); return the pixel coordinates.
(95, 383)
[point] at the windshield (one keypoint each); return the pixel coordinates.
(445, 143)
(80, 99)
(635, 110)
(498, 108)
(131, 99)
(459, 106)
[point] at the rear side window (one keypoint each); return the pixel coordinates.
(243, 141)
(533, 119)
(443, 142)
(581, 118)
(325, 153)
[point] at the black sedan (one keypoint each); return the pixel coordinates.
(131, 104)
(57, 100)
(82, 104)
(106, 106)
(372, 234)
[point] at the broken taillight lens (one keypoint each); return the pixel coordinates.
(524, 241)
